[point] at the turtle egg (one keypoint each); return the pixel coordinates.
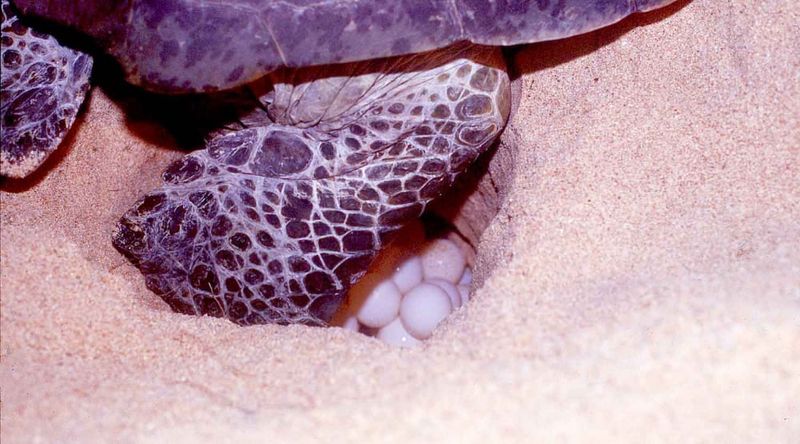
(450, 289)
(408, 274)
(443, 259)
(351, 323)
(394, 333)
(381, 303)
(410, 288)
(423, 308)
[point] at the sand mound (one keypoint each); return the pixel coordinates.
(642, 277)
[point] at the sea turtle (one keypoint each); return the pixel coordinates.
(43, 85)
(366, 110)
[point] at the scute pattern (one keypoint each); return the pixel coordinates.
(42, 87)
(273, 223)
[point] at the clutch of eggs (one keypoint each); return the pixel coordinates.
(412, 286)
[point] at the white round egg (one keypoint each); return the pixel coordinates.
(351, 323)
(450, 289)
(394, 333)
(408, 274)
(444, 260)
(423, 308)
(381, 303)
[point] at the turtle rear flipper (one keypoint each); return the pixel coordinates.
(273, 224)
(43, 86)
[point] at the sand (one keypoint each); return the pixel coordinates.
(641, 280)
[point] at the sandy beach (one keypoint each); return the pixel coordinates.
(640, 279)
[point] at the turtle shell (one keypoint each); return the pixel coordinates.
(195, 45)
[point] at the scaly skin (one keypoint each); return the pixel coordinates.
(43, 86)
(273, 223)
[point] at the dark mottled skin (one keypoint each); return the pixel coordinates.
(274, 223)
(43, 85)
(185, 45)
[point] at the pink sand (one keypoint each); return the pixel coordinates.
(641, 280)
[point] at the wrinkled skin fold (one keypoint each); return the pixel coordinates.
(272, 223)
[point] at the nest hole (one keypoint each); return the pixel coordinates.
(419, 280)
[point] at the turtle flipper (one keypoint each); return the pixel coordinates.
(43, 86)
(274, 223)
